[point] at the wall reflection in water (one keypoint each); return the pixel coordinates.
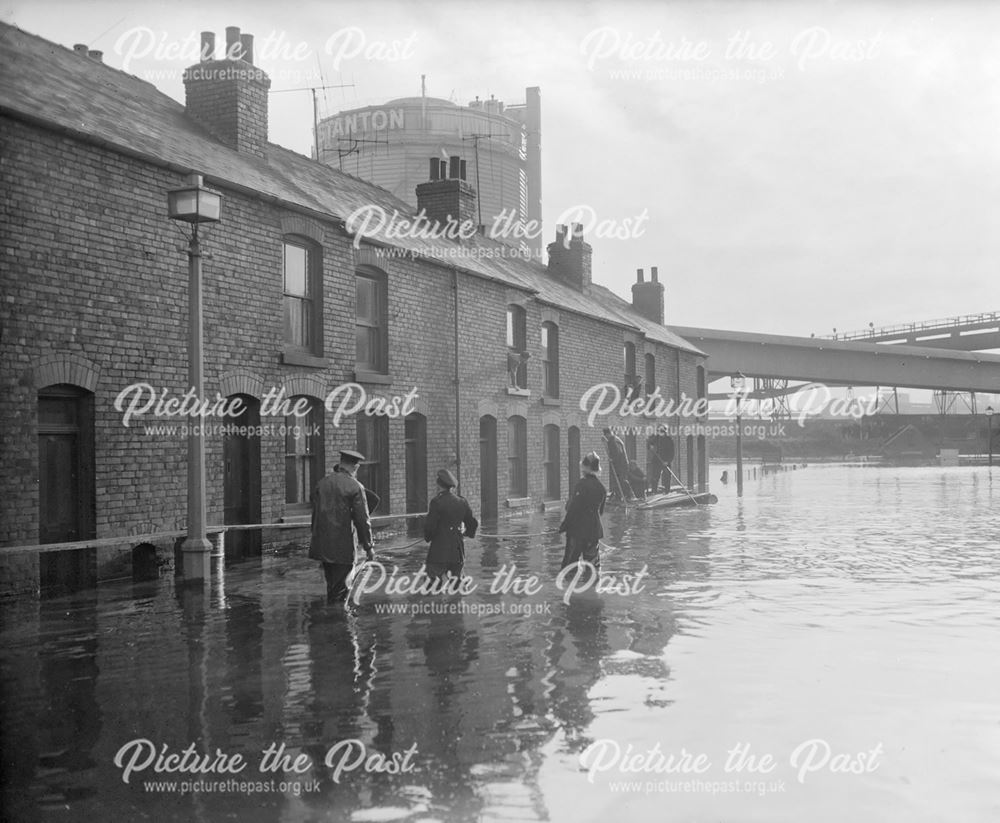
(259, 658)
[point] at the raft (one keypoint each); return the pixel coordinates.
(678, 498)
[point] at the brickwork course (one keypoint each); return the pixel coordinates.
(95, 296)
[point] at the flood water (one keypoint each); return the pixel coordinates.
(825, 649)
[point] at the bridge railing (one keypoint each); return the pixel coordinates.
(925, 326)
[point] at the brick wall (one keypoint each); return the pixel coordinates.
(229, 99)
(96, 294)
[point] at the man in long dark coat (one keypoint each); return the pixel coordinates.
(447, 514)
(340, 522)
(661, 454)
(618, 466)
(582, 522)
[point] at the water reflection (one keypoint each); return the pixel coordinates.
(828, 602)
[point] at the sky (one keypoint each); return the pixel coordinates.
(797, 167)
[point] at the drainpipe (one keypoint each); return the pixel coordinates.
(677, 447)
(458, 429)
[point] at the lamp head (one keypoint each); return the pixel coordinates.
(194, 203)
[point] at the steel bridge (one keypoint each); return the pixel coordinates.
(970, 332)
(844, 362)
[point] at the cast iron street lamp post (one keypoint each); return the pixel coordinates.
(195, 204)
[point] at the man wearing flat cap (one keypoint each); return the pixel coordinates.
(341, 522)
(447, 514)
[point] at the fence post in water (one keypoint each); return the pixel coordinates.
(739, 455)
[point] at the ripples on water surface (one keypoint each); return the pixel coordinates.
(857, 606)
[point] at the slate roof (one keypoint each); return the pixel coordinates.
(53, 86)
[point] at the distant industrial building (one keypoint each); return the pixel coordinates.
(390, 144)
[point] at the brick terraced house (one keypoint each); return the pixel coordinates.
(484, 356)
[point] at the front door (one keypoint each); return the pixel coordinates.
(65, 465)
(572, 458)
(488, 466)
(241, 483)
(415, 435)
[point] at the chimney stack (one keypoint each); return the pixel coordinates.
(647, 298)
(570, 257)
(447, 196)
(229, 96)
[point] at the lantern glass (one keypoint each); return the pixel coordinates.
(194, 203)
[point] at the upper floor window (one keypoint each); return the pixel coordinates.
(301, 268)
(517, 347)
(372, 325)
(650, 373)
(631, 378)
(550, 359)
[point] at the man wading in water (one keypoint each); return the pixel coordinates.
(582, 522)
(447, 515)
(341, 508)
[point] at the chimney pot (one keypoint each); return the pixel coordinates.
(456, 165)
(96, 55)
(246, 44)
(234, 49)
(654, 275)
(461, 169)
(207, 46)
(640, 278)
(80, 48)
(435, 168)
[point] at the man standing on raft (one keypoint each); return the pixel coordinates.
(618, 467)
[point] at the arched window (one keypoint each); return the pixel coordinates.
(550, 359)
(550, 462)
(373, 443)
(517, 456)
(304, 456)
(488, 466)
